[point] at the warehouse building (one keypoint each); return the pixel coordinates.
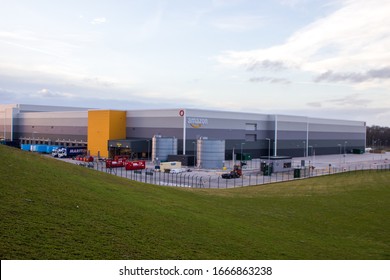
(109, 132)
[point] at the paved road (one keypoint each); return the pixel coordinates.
(201, 178)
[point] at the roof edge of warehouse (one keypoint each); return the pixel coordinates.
(54, 108)
(43, 108)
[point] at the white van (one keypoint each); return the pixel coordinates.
(177, 170)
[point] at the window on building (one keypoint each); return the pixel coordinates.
(251, 126)
(250, 137)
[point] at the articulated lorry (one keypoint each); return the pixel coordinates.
(66, 152)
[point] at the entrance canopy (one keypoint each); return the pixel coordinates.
(137, 148)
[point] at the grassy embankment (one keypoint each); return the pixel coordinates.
(54, 210)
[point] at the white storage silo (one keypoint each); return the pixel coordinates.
(162, 147)
(210, 153)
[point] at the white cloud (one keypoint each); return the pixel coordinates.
(46, 93)
(272, 80)
(224, 3)
(355, 38)
(292, 3)
(100, 20)
(239, 23)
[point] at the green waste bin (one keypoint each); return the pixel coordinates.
(267, 170)
(358, 151)
(297, 173)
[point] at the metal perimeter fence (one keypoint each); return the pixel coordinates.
(215, 181)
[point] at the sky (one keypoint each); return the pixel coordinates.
(314, 58)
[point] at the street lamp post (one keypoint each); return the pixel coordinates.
(194, 154)
(310, 162)
(148, 148)
(311, 154)
(241, 150)
(269, 156)
(345, 150)
(340, 152)
(233, 155)
(314, 154)
(269, 149)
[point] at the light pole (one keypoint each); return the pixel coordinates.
(311, 157)
(311, 154)
(314, 154)
(233, 155)
(269, 157)
(241, 150)
(345, 150)
(194, 154)
(304, 149)
(148, 148)
(269, 149)
(340, 152)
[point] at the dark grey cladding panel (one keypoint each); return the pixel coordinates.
(318, 151)
(298, 144)
(292, 135)
(297, 135)
(337, 135)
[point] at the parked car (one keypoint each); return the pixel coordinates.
(231, 175)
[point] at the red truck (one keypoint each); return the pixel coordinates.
(135, 165)
(113, 164)
(121, 158)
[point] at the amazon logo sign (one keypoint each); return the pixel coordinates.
(197, 122)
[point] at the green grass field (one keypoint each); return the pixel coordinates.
(54, 210)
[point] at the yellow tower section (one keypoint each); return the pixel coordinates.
(104, 125)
